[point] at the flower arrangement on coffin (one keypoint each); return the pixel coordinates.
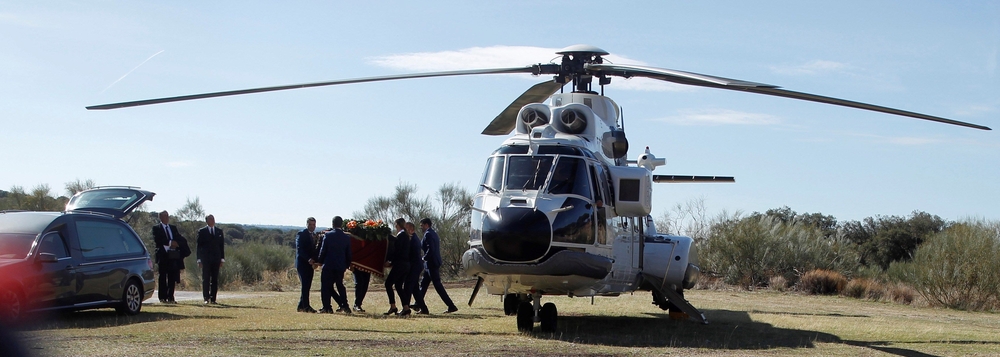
(368, 229)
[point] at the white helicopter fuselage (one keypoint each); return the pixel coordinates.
(560, 212)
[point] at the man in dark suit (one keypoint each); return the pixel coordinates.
(335, 255)
(398, 258)
(171, 249)
(305, 256)
(432, 256)
(211, 256)
(412, 285)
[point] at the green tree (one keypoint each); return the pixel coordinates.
(882, 240)
(190, 211)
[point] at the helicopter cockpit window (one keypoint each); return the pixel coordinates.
(493, 174)
(512, 150)
(527, 172)
(570, 177)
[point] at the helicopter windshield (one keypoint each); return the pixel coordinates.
(570, 178)
(493, 175)
(527, 172)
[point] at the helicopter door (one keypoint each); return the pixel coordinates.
(601, 199)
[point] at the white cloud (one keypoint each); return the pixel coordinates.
(508, 56)
(814, 67)
(720, 117)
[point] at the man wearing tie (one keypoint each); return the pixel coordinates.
(171, 248)
(211, 255)
(335, 255)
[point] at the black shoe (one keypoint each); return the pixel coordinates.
(213, 302)
(345, 309)
(307, 309)
(405, 312)
(163, 301)
(207, 302)
(450, 310)
(392, 311)
(423, 311)
(358, 309)
(325, 311)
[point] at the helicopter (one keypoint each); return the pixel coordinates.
(560, 210)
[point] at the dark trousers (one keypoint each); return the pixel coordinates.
(210, 280)
(412, 287)
(361, 281)
(396, 278)
(167, 280)
(306, 272)
(433, 274)
(329, 280)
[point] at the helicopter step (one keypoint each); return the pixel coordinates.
(672, 297)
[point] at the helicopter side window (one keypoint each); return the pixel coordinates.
(570, 177)
(493, 174)
(527, 172)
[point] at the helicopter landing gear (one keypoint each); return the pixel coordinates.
(525, 317)
(547, 317)
(512, 301)
(530, 310)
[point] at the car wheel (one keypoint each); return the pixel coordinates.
(11, 306)
(131, 299)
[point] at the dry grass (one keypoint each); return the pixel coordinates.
(741, 323)
(823, 282)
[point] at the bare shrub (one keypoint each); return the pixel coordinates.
(875, 290)
(900, 293)
(778, 283)
(856, 288)
(822, 282)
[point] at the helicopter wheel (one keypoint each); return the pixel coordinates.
(548, 316)
(525, 317)
(510, 303)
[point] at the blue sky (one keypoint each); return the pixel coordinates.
(276, 158)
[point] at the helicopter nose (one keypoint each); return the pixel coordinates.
(516, 234)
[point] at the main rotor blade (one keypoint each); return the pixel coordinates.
(504, 123)
(688, 179)
(670, 75)
(759, 88)
(529, 69)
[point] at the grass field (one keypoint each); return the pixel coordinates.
(740, 323)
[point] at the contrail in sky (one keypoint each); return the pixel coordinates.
(130, 72)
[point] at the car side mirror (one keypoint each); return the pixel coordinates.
(46, 258)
